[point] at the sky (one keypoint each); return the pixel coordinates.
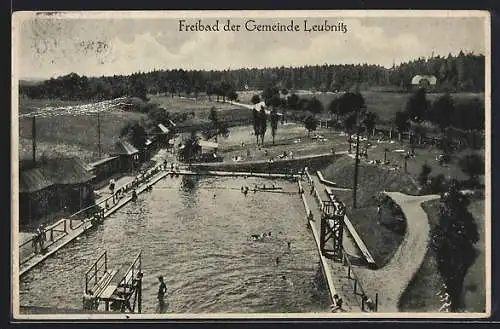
(51, 45)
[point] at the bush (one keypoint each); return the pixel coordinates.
(424, 175)
(437, 184)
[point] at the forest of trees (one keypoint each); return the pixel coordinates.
(464, 72)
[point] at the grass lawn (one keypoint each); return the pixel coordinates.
(289, 137)
(420, 295)
(396, 152)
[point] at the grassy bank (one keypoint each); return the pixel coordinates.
(420, 295)
(474, 292)
(382, 239)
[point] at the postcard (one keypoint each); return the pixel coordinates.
(251, 164)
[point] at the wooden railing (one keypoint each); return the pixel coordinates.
(359, 292)
(95, 273)
(131, 273)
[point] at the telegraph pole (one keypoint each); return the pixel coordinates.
(99, 133)
(33, 137)
(356, 161)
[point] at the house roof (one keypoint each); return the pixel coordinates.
(125, 148)
(148, 142)
(32, 180)
(172, 123)
(164, 129)
(417, 78)
(67, 171)
(97, 163)
(208, 144)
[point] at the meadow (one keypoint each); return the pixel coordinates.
(384, 104)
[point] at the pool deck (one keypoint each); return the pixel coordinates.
(335, 272)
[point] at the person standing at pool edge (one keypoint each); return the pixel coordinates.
(162, 291)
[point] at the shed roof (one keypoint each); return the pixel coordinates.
(125, 148)
(67, 171)
(100, 162)
(33, 180)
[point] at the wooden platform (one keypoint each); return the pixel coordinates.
(357, 239)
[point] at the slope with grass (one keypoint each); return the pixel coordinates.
(420, 295)
(74, 133)
(381, 238)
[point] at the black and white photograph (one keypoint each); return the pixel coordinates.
(251, 164)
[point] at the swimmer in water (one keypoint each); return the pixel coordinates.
(269, 234)
(215, 195)
(289, 245)
(278, 262)
(290, 283)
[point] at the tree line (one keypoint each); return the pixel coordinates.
(463, 72)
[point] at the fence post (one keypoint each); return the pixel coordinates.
(355, 286)
(376, 302)
(52, 234)
(349, 272)
(65, 228)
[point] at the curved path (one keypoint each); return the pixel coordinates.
(391, 280)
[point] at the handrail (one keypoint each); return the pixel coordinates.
(124, 282)
(94, 270)
(357, 283)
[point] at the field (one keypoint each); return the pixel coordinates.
(74, 132)
(384, 104)
(420, 296)
(201, 106)
(76, 135)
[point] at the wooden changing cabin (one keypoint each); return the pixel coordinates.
(128, 154)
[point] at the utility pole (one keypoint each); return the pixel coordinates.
(356, 160)
(99, 133)
(33, 137)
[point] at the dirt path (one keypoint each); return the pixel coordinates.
(392, 279)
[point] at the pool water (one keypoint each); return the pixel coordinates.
(196, 233)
